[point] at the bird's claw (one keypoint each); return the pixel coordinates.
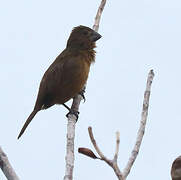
(82, 94)
(75, 113)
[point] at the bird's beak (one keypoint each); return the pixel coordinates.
(95, 36)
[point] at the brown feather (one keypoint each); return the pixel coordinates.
(67, 75)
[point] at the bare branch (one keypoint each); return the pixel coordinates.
(6, 167)
(70, 147)
(98, 15)
(111, 163)
(117, 146)
(71, 118)
(141, 130)
(95, 144)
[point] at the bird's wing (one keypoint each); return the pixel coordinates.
(63, 80)
(49, 83)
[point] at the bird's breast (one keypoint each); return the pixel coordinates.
(74, 77)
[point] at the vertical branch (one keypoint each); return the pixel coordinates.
(71, 118)
(117, 146)
(70, 141)
(6, 167)
(70, 147)
(141, 130)
(98, 15)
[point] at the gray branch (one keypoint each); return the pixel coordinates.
(141, 130)
(122, 175)
(112, 163)
(6, 167)
(72, 119)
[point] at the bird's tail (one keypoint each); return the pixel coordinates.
(27, 122)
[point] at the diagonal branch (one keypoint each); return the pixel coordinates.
(72, 119)
(141, 130)
(95, 144)
(6, 167)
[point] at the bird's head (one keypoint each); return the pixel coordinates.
(83, 38)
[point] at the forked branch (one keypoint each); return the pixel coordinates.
(122, 175)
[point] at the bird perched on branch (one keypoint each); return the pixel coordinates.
(66, 76)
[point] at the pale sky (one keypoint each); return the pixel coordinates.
(136, 36)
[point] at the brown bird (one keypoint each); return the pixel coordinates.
(66, 76)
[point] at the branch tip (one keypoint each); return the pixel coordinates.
(143, 121)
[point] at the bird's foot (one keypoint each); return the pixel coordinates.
(75, 113)
(66, 106)
(82, 94)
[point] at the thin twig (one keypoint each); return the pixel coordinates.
(111, 163)
(117, 146)
(71, 118)
(141, 130)
(98, 15)
(95, 144)
(6, 167)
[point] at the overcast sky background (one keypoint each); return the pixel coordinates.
(137, 35)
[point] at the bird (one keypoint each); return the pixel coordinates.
(67, 75)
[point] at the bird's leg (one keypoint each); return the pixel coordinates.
(71, 111)
(66, 106)
(76, 113)
(82, 94)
